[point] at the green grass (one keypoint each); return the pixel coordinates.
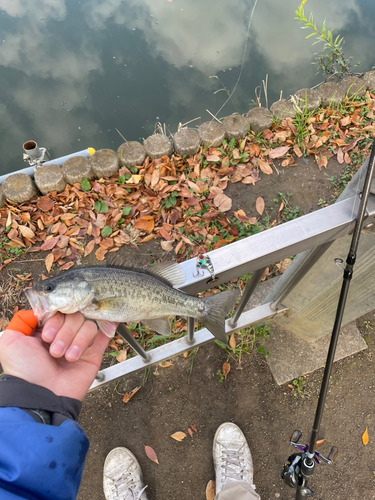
(288, 212)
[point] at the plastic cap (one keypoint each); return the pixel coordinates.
(91, 151)
(24, 322)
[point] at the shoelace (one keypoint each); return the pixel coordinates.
(233, 459)
(123, 487)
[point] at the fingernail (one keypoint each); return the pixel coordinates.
(73, 353)
(58, 348)
(49, 334)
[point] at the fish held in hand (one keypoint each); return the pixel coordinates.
(114, 293)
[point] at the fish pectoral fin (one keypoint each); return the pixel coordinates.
(160, 325)
(107, 327)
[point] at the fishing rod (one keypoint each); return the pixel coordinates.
(299, 467)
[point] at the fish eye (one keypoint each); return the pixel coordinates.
(48, 287)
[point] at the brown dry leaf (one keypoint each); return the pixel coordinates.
(210, 490)
(190, 432)
(49, 261)
(365, 438)
(178, 247)
(45, 204)
(322, 162)
(145, 223)
(178, 436)
(265, 167)
(345, 121)
(100, 253)
(165, 364)
(151, 454)
(49, 244)
(191, 201)
(278, 152)
(129, 395)
(186, 354)
(297, 151)
(26, 232)
(340, 156)
(223, 203)
(248, 180)
(284, 264)
(122, 356)
(67, 266)
(232, 341)
(194, 427)
(213, 158)
(89, 247)
(347, 158)
(320, 442)
(265, 274)
(167, 246)
(44, 277)
(225, 369)
(259, 205)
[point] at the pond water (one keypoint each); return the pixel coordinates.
(71, 72)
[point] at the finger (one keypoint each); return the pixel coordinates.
(84, 338)
(52, 326)
(94, 353)
(64, 337)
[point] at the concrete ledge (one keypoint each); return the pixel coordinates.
(290, 356)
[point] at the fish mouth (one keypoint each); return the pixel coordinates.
(40, 307)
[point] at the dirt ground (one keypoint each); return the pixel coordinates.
(172, 399)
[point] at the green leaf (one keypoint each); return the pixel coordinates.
(133, 170)
(106, 231)
(121, 179)
(126, 210)
(85, 184)
(100, 206)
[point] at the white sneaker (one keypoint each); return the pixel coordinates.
(232, 457)
(122, 476)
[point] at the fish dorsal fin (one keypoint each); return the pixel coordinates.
(159, 325)
(170, 271)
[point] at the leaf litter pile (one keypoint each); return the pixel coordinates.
(180, 202)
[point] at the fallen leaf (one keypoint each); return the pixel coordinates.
(278, 152)
(340, 156)
(89, 247)
(265, 168)
(190, 432)
(145, 223)
(210, 490)
(49, 244)
(223, 203)
(129, 395)
(191, 201)
(178, 436)
(225, 369)
(67, 266)
(165, 364)
(232, 341)
(248, 180)
(345, 121)
(320, 442)
(45, 204)
(100, 253)
(167, 246)
(49, 261)
(284, 264)
(259, 205)
(194, 427)
(151, 454)
(365, 438)
(213, 158)
(26, 232)
(297, 151)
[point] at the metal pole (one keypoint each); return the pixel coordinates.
(128, 337)
(254, 280)
(190, 331)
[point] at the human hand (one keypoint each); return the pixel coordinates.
(64, 356)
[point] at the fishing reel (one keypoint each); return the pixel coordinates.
(297, 469)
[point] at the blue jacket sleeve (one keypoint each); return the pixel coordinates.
(37, 461)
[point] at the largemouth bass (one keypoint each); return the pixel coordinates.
(114, 293)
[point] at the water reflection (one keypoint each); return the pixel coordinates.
(71, 72)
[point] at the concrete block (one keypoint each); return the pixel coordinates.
(186, 142)
(212, 134)
(352, 85)
(369, 80)
(236, 127)
(259, 119)
(290, 356)
(49, 178)
(104, 163)
(77, 168)
(282, 109)
(131, 153)
(19, 188)
(3, 199)
(307, 99)
(330, 93)
(158, 145)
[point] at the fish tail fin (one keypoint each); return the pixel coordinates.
(217, 308)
